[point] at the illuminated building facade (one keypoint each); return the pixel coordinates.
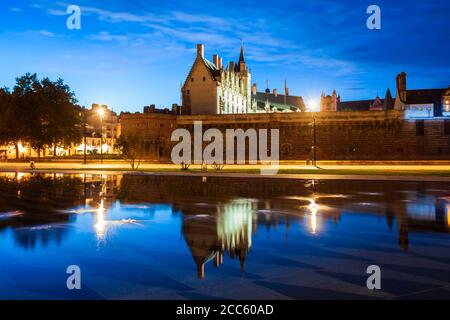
(331, 103)
(421, 103)
(212, 88)
(100, 129)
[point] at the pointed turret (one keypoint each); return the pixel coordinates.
(241, 56)
(388, 103)
(241, 63)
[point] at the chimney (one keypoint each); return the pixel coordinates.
(200, 50)
(401, 85)
(216, 60)
(275, 92)
(254, 89)
(174, 108)
(286, 91)
(231, 66)
(220, 62)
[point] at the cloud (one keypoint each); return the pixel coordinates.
(46, 33)
(15, 9)
(117, 16)
(106, 36)
(356, 89)
(56, 12)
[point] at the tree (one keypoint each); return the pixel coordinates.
(12, 128)
(43, 113)
(132, 149)
(5, 107)
(64, 122)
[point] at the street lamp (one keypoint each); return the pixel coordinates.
(84, 117)
(313, 106)
(314, 141)
(101, 113)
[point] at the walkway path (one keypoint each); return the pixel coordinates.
(335, 172)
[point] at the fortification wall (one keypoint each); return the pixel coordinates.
(366, 135)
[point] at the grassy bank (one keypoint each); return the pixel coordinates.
(320, 171)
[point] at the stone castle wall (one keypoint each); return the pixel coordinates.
(368, 135)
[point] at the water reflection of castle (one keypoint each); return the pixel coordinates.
(223, 226)
(229, 231)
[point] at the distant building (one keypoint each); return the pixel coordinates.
(329, 103)
(421, 103)
(275, 102)
(377, 104)
(97, 132)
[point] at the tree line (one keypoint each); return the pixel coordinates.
(42, 113)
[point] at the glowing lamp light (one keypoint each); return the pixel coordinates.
(448, 214)
(101, 112)
(22, 148)
(100, 226)
(313, 105)
(313, 207)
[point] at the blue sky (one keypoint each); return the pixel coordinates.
(134, 53)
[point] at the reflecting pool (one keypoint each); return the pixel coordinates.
(180, 237)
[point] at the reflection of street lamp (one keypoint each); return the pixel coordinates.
(101, 113)
(313, 207)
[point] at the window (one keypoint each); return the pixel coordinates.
(188, 92)
(447, 127)
(420, 127)
(204, 79)
(192, 79)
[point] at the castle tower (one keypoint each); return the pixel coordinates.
(400, 91)
(328, 103)
(401, 85)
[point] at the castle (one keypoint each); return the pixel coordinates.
(212, 88)
(413, 125)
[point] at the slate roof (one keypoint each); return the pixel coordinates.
(423, 96)
(357, 105)
(364, 105)
(295, 101)
(212, 69)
